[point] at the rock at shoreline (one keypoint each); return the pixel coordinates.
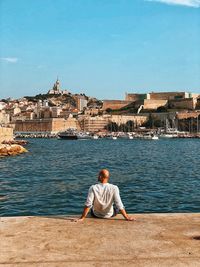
(11, 150)
(15, 142)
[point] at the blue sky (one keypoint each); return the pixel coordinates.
(100, 47)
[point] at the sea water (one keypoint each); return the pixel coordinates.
(55, 175)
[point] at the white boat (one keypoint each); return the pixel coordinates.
(83, 136)
(150, 136)
(168, 135)
(113, 137)
(155, 137)
(124, 136)
(170, 132)
(95, 137)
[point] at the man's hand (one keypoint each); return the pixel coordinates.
(130, 219)
(83, 216)
(126, 216)
(78, 220)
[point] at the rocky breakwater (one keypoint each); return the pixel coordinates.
(11, 150)
(9, 146)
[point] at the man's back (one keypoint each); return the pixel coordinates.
(101, 197)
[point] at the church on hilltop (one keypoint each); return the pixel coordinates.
(56, 89)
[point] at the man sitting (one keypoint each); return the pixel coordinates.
(101, 198)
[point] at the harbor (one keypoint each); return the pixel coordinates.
(100, 133)
(140, 134)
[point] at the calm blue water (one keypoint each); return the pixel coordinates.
(54, 177)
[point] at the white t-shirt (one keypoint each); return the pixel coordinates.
(101, 198)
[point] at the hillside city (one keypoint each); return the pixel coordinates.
(58, 110)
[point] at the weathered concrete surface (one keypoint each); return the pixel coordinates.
(153, 240)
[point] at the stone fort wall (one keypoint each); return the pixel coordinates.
(187, 115)
(115, 104)
(154, 104)
(6, 134)
(122, 119)
(51, 125)
(168, 95)
(136, 97)
(188, 103)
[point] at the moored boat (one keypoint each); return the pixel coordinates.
(150, 136)
(72, 134)
(68, 135)
(168, 135)
(83, 136)
(95, 137)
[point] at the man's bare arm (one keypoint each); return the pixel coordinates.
(84, 214)
(126, 216)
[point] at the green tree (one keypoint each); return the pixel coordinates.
(108, 110)
(130, 126)
(112, 127)
(161, 109)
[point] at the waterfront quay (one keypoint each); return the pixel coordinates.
(139, 134)
(152, 240)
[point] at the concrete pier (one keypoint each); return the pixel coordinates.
(152, 240)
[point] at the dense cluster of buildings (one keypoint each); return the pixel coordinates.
(59, 110)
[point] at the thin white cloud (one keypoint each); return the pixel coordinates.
(10, 59)
(189, 3)
(40, 66)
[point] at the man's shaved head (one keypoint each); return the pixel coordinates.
(104, 175)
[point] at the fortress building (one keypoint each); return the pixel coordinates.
(154, 100)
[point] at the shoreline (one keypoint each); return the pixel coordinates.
(139, 137)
